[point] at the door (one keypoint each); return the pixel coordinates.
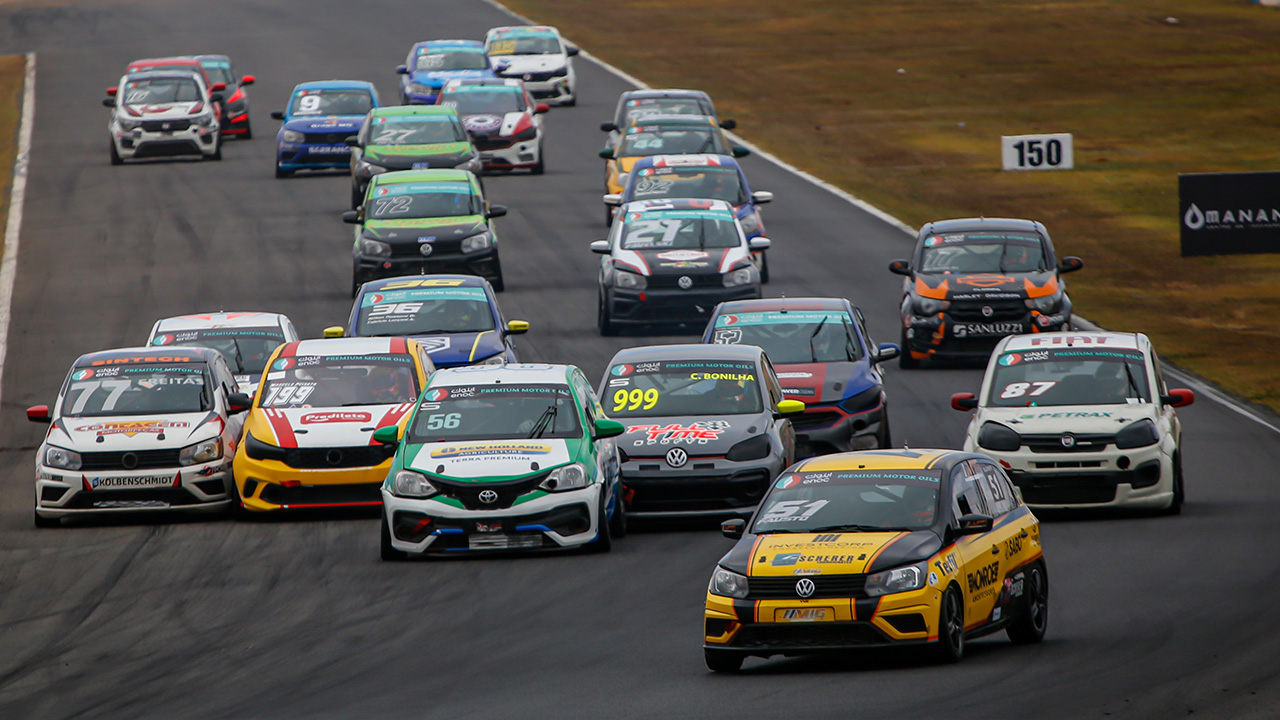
(979, 556)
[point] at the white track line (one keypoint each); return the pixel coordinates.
(21, 166)
(1200, 386)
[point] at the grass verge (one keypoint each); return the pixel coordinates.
(903, 104)
(12, 70)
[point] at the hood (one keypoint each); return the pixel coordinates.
(404, 157)
(791, 554)
(324, 427)
(456, 349)
(986, 286)
(520, 64)
(161, 111)
(824, 382)
(490, 460)
(699, 435)
(424, 229)
(1059, 419)
(338, 124)
(485, 125)
(437, 78)
(660, 261)
(134, 432)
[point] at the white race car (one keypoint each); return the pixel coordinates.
(163, 114)
(504, 122)
(537, 55)
(1081, 419)
(139, 429)
(245, 339)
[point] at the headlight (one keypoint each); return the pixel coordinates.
(259, 450)
(61, 458)
(750, 223)
(1048, 303)
(408, 483)
(293, 136)
(741, 276)
(128, 124)
(864, 400)
(727, 583)
(201, 452)
(420, 89)
(499, 359)
(561, 72)
(566, 477)
(373, 248)
(929, 306)
(476, 243)
(630, 281)
(994, 436)
(205, 120)
(1136, 435)
(370, 169)
(896, 580)
(472, 163)
(750, 449)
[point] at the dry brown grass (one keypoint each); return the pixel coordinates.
(817, 82)
(12, 68)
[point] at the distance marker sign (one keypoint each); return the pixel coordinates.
(1037, 152)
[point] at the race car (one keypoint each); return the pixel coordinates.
(409, 138)
(308, 442)
(425, 221)
(1081, 419)
(432, 63)
(187, 65)
(671, 262)
(234, 119)
(638, 104)
(825, 357)
(973, 281)
(504, 122)
(162, 114)
(139, 430)
(516, 457)
(707, 428)
(716, 177)
(879, 548)
(320, 117)
(455, 318)
(245, 339)
(663, 135)
(537, 55)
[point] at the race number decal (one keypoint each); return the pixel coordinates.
(634, 399)
(393, 205)
(792, 510)
(409, 308)
(1019, 389)
(642, 232)
(287, 394)
(444, 421)
(728, 336)
(309, 104)
(392, 136)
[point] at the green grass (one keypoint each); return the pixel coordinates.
(12, 68)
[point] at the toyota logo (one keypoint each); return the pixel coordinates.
(685, 282)
(1068, 441)
(425, 249)
(987, 311)
(677, 457)
(333, 457)
(804, 588)
(129, 461)
(488, 497)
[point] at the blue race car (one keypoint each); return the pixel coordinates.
(433, 63)
(454, 317)
(320, 118)
(825, 358)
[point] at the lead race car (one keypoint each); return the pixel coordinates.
(163, 114)
(539, 56)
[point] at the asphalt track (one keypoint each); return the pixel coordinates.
(1150, 616)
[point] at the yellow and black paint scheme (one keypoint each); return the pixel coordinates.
(986, 566)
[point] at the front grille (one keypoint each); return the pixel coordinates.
(1068, 494)
(1067, 464)
(1001, 310)
(484, 144)
(338, 457)
(825, 586)
(808, 635)
(148, 497)
(507, 493)
(672, 282)
(912, 623)
(116, 460)
(414, 250)
(541, 76)
(165, 125)
(302, 495)
(816, 419)
(1052, 443)
(328, 138)
(732, 492)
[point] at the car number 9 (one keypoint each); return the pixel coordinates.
(634, 399)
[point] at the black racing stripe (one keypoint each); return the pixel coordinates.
(213, 415)
(745, 610)
(1021, 512)
(865, 609)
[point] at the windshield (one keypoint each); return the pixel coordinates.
(157, 91)
(682, 387)
(219, 72)
(642, 141)
(715, 183)
(427, 200)
(495, 412)
(650, 107)
(1070, 376)
(339, 380)
(425, 130)
(982, 253)
(793, 337)
(850, 501)
(425, 311)
(483, 100)
(536, 45)
(679, 229)
(138, 390)
(452, 60)
(246, 349)
(331, 102)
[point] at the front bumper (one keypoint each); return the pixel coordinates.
(192, 488)
(313, 156)
(499, 153)
(1134, 478)
(194, 140)
(555, 90)
(484, 263)
(235, 121)
(942, 337)
(661, 306)
(829, 428)
(704, 487)
(272, 485)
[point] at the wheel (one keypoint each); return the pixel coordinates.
(248, 131)
(44, 522)
(496, 281)
(604, 537)
(355, 285)
(357, 198)
(238, 510)
(886, 435)
(1179, 493)
(618, 523)
(389, 553)
(570, 102)
(115, 156)
(603, 321)
(723, 661)
(217, 150)
(905, 361)
(764, 267)
(950, 647)
(282, 173)
(608, 216)
(541, 167)
(1033, 613)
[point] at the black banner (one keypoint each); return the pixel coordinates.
(1229, 213)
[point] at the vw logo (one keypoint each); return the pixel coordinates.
(425, 249)
(333, 457)
(129, 461)
(677, 457)
(488, 497)
(1068, 440)
(805, 587)
(685, 282)
(987, 311)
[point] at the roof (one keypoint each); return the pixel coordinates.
(423, 176)
(152, 74)
(455, 281)
(687, 352)
(903, 459)
(781, 305)
(538, 373)
(346, 346)
(675, 120)
(665, 204)
(444, 44)
(962, 224)
(126, 356)
(666, 92)
(212, 57)
(1062, 340)
(406, 110)
(523, 29)
(175, 60)
(220, 320)
(691, 160)
(334, 85)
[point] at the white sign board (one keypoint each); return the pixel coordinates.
(1037, 152)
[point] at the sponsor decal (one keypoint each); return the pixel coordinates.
(933, 578)
(622, 370)
(683, 255)
(436, 394)
(789, 481)
(133, 482)
(283, 363)
(794, 375)
(335, 417)
(983, 577)
(1033, 416)
(785, 559)
(434, 344)
(84, 374)
(492, 449)
(984, 280)
(947, 565)
(482, 123)
(1059, 339)
(148, 359)
(807, 571)
(737, 377)
(132, 428)
(804, 392)
(700, 432)
(1010, 359)
(162, 340)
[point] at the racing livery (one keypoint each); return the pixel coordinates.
(433, 63)
(308, 442)
(876, 548)
(409, 138)
(707, 427)
(139, 429)
(663, 135)
(320, 117)
(1081, 419)
(636, 104)
(455, 318)
(538, 56)
(234, 119)
(504, 122)
(824, 357)
(245, 339)
(163, 113)
(971, 282)
(503, 458)
(672, 261)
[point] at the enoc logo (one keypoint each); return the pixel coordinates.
(1010, 359)
(488, 497)
(677, 457)
(84, 374)
(437, 394)
(805, 588)
(283, 363)
(685, 282)
(622, 370)
(162, 340)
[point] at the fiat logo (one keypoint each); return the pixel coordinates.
(987, 311)
(333, 457)
(488, 497)
(677, 457)
(425, 249)
(1068, 441)
(805, 587)
(685, 282)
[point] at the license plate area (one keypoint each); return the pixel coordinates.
(983, 329)
(499, 541)
(805, 614)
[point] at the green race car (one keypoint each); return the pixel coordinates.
(408, 137)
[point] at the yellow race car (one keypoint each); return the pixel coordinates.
(877, 548)
(308, 442)
(663, 135)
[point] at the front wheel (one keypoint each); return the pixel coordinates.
(357, 198)
(723, 661)
(1033, 615)
(248, 131)
(886, 436)
(496, 281)
(764, 267)
(1179, 494)
(541, 167)
(217, 150)
(618, 523)
(603, 320)
(604, 538)
(282, 173)
(389, 553)
(115, 155)
(905, 361)
(950, 647)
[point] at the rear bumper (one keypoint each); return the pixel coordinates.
(648, 307)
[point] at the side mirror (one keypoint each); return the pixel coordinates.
(39, 414)
(352, 141)
(351, 216)
(739, 151)
(238, 403)
(975, 524)
(335, 331)
(606, 428)
(613, 199)
(495, 211)
(887, 351)
(517, 327)
(402, 69)
(108, 102)
(606, 153)
(964, 402)
(247, 80)
(277, 115)
(729, 124)
(600, 247)
(111, 91)
(218, 87)
(571, 50)
(604, 126)
(788, 407)
(387, 435)
(900, 267)
(761, 197)
(760, 243)
(541, 108)
(1178, 397)
(1070, 264)
(734, 528)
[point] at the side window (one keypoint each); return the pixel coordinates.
(999, 498)
(966, 497)
(771, 381)
(223, 377)
(591, 407)
(866, 335)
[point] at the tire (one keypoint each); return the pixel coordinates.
(723, 661)
(282, 173)
(608, 216)
(618, 523)
(541, 167)
(1179, 492)
(905, 361)
(115, 156)
(497, 282)
(44, 522)
(764, 267)
(570, 102)
(886, 435)
(604, 536)
(950, 646)
(217, 150)
(248, 131)
(1033, 610)
(357, 198)
(603, 321)
(389, 553)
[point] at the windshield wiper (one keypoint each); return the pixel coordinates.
(852, 528)
(813, 354)
(850, 347)
(706, 145)
(1133, 384)
(548, 416)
